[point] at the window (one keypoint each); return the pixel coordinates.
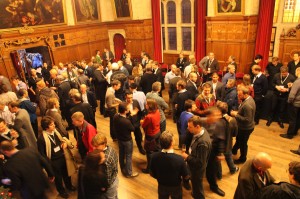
(291, 11)
(178, 26)
(272, 43)
(276, 11)
(186, 11)
(171, 12)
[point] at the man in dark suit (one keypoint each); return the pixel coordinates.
(128, 65)
(199, 153)
(88, 97)
(25, 170)
(158, 72)
(180, 63)
(147, 80)
(191, 86)
(100, 87)
(63, 93)
(82, 78)
(22, 124)
(211, 66)
(253, 176)
(256, 61)
(260, 86)
(118, 74)
(293, 65)
(107, 55)
(217, 88)
(245, 120)
(84, 108)
(135, 117)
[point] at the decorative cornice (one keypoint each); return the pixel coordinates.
(26, 30)
(22, 41)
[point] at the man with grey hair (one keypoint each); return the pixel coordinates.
(122, 68)
(168, 168)
(63, 89)
(229, 75)
(162, 105)
(253, 176)
(118, 74)
(128, 65)
(171, 74)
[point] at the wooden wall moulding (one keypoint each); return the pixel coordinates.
(235, 36)
(24, 41)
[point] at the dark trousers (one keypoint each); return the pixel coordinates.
(293, 120)
(211, 170)
(279, 105)
(230, 164)
(61, 174)
(125, 156)
(35, 128)
(181, 136)
(138, 137)
(242, 143)
(164, 192)
(111, 113)
(197, 185)
(102, 101)
(259, 102)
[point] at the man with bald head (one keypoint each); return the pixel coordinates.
(253, 176)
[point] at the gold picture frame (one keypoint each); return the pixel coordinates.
(86, 11)
(229, 7)
(16, 15)
(122, 9)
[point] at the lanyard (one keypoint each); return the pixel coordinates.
(52, 140)
(284, 79)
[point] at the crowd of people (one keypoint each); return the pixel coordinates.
(209, 111)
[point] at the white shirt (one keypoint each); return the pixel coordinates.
(140, 97)
(187, 71)
(84, 98)
(170, 75)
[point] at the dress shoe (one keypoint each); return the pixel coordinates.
(64, 195)
(235, 171)
(146, 171)
(269, 123)
(286, 136)
(239, 161)
(72, 188)
(281, 125)
(218, 191)
(134, 174)
(186, 185)
(295, 151)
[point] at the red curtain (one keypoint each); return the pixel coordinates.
(264, 30)
(155, 6)
(200, 34)
(119, 44)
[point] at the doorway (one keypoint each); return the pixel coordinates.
(119, 45)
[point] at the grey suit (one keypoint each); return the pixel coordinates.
(23, 126)
(219, 90)
(245, 121)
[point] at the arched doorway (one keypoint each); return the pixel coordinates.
(119, 45)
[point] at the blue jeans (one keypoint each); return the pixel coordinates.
(125, 156)
(112, 191)
(230, 164)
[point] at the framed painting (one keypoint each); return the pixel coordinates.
(86, 11)
(122, 9)
(229, 7)
(18, 13)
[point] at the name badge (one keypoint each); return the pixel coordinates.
(56, 149)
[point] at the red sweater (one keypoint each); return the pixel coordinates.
(87, 135)
(151, 123)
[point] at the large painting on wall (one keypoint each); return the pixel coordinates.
(122, 8)
(86, 10)
(229, 7)
(17, 13)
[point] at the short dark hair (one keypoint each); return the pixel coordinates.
(115, 82)
(7, 145)
(22, 92)
(294, 169)
(131, 77)
(152, 104)
(14, 104)
(128, 92)
(188, 104)
(133, 86)
(195, 120)
(46, 121)
(166, 139)
(122, 107)
(222, 106)
(258, 56)
(181, 83)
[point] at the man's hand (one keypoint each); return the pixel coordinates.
(233, 113)
(184, 155)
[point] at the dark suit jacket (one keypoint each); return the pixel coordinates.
(135, 120)
(100, 84)
(214, 66)
(160, 78)
(181, 64)
(129, 68)
(249, 183)
(245, 116)
(111, 56)
(83, 79)
(60, 127)
(92, 99)
(220, 90)
(172, 86)
(260, 86)
(292, 67)
(180, 100)
(87, 111)
(63, 93)
(146, 82)
(29, 178)
(193, 91)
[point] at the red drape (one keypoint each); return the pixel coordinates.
(264, 30)
(155, 6)
(119, 44)
(200, 33)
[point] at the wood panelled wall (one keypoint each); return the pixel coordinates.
(81, 41)
(235, 36)
(287, 46)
